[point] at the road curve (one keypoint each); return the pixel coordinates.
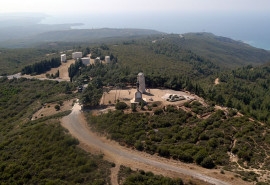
(78, 128)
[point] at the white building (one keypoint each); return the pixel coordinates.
(107, 59)
(76, 55)
(63, 58)
(141, 80)
(85, 60)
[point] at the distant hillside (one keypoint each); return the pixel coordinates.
(89, 34)
(197, 53)
(77, 35)
(222, 50)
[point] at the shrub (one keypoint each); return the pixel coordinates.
(207, 163)
(200, 156)
(163, 151)
(133, 107)
(120, 105)
(213, 142)
(186, 104)
(158, 111)
(138, 145)
(185, 157)
(57, 107)
(155, 104)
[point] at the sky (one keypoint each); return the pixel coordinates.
(245, 20)
(133, 6)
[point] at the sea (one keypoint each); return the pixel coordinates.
(251, 28)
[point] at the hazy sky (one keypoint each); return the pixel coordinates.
(246, 20)
(135, 6)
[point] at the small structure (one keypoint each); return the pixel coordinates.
(107, 59)
(85, 60)
(141, 81)
(63, 58)
(97, 60)
(138, 96)
(76, 55)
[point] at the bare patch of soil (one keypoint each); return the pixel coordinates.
(216, 81)
(49, 109)
(152, 95)
(114, 175)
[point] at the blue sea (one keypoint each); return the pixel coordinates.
(251, 28)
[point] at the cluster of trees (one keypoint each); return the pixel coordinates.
(246, 89)
(44, 154)
(56, 75)
(117, 75)
(91, 95)
(172, 48)
(41, 67)
(96, 52)
(74, 69)
(129, 177)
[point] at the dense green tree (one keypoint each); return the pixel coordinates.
(41, 67)
(120, 105)
(74, 69)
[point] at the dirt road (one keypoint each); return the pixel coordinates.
(78, 128)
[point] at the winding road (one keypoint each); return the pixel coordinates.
(77, 126)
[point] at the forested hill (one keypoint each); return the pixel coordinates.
(222, 50)
(225, 50)
(90, 34)
(172, 54)
(199, 54)
(78, 35)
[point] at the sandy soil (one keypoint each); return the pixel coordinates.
(114, 174)
(48, 109)
(216, 81)
(152, 95)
